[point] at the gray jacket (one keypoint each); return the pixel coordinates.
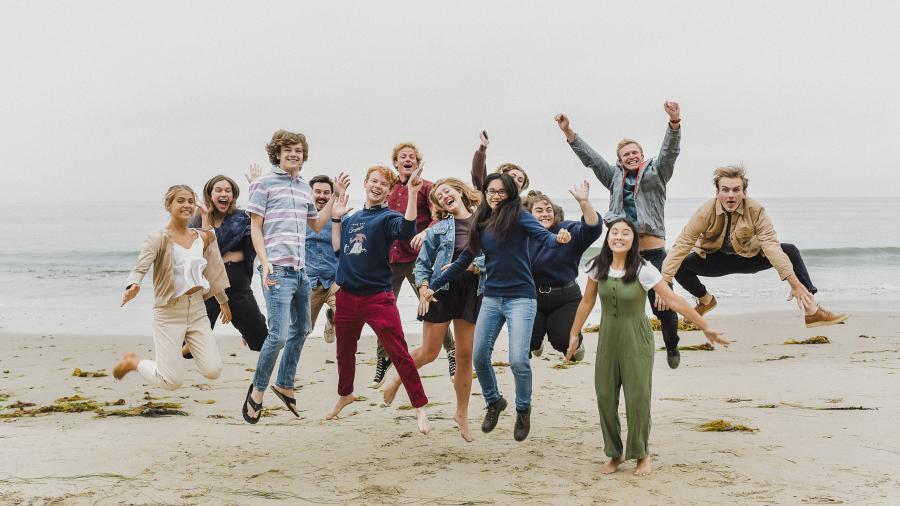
(650, 188)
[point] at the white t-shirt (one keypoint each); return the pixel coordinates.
(648, 275)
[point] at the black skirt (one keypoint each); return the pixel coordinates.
(458, 302)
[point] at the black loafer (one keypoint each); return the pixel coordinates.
(523, 424)
(493, 415)
(673, 357)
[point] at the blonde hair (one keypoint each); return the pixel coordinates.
(625, 142)
(504, 168)
(283, 138)
(402, 145)
(535, 196)
(173, 190)
(470, 197)
(730, 171)
(384, 171)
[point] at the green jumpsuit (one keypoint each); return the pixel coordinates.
(624, 360)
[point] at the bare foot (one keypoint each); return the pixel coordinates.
(185, 350)
(343, 401)
(126, 364)
(643, 467)
(463, 423)
(612, 466)
(422, 418)
(390, 391)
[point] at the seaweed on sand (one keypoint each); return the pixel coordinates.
(811, 340)
(693, 347)
(78, 373)
(723, 426)
(149, 409)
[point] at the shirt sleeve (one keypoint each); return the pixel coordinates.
(454, 271)
(399, 228)
(536, 231)
(257, 199)
(649, 276)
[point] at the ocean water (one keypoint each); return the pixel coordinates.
(63, 267)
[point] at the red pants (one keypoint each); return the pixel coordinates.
(380, 312)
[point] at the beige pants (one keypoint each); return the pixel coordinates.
(317, 298)
(183, 319)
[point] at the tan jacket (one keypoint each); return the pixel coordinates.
(157, 251)
(751, 233)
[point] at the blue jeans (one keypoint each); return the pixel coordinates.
(518, 314)
(287, 304)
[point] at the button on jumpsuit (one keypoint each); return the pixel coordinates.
(624, 360)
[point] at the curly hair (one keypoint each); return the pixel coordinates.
(283, 138)
(470, 197)
(535, 196)
(402, 145)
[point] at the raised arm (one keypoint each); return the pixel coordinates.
(671, 146)
(479, 162)
(342, 181)
(589, 158)
(340, 209)
(584, 309)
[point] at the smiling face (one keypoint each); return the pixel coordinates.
(620, 237)
(222, 195)
(321, 194)
(542, 211)
(631, 156)
(182, 205)
(377, 187)
(495, 194)
(290, 157)
(449, 198)
(518, 177)
(730, 193)
(406, 162)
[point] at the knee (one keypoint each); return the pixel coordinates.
(172, 383)
(463, 356)
(213, 372)
(482, 358)
(520, 364)
(790, 250)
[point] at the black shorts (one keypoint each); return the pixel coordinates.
(458, 302)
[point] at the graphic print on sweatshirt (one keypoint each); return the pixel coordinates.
(356, 245)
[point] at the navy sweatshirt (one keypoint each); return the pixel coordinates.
(506, 263)
(366, 239)
(559, 266)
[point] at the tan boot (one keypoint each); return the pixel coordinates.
(822, 317)
(705, 308)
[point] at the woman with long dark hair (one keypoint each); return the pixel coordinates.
(232, 226)
(624, 359)
(502, 231)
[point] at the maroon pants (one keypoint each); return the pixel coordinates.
(380, 312)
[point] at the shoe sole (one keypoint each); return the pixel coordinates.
(377, 384)
(829, 322)
(506, 405)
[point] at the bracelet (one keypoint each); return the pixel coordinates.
(675, 121)
(336, 220)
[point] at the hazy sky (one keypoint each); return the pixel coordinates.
(113, 101)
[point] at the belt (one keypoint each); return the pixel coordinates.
(545, 289)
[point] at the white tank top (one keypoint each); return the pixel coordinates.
(189, 265)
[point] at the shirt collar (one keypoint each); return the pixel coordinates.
(281, 172)
(376, 207)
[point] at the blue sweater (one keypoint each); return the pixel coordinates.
(506, 263)
(366, 239)
(559, 266)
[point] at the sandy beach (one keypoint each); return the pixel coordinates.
(806, 449)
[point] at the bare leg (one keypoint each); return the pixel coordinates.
(465, 333)
(126, 364)
(612, 466)
(432, 339)
(643, 467)
(344, 401)
(422, 418)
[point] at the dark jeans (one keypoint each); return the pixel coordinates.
(399, 272)
(720, 264)
(556, 307)
(245, 314)
(668, 319)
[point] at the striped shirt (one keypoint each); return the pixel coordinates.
(285, 204)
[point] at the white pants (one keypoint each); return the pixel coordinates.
(183, 319)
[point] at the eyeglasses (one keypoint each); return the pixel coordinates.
(499, 193)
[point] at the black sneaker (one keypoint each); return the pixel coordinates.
(673, 357)
(381, 368)
(451, 362)
(523, 424)
(492, 415)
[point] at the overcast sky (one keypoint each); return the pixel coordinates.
(114, 101)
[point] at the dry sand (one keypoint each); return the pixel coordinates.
(373, 454)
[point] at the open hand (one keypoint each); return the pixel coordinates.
(130, 293)
(225, 317)
(416, 181)
(417, 240)
(341, 183)
(253, 173)
(715, 337)
(341, 206)
(804, 298)
(573, 347)
(266, 272)
(581, 192)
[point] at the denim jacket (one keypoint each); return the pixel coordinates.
(650, 187)
(437, 251)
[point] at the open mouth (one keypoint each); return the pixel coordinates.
(449, 202)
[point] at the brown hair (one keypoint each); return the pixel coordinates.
(470, 197)
(214, 214)
(625, 142)
(535, 196)
(172, 191)
(402, 145)
(730, 171)
(283, 138)
(504, 168)
(384, 171)
(322, 179)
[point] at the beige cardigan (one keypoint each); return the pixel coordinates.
(157, 251)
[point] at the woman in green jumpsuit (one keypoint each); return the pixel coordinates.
(625, 344)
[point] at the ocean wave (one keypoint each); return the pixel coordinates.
(880, 255)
